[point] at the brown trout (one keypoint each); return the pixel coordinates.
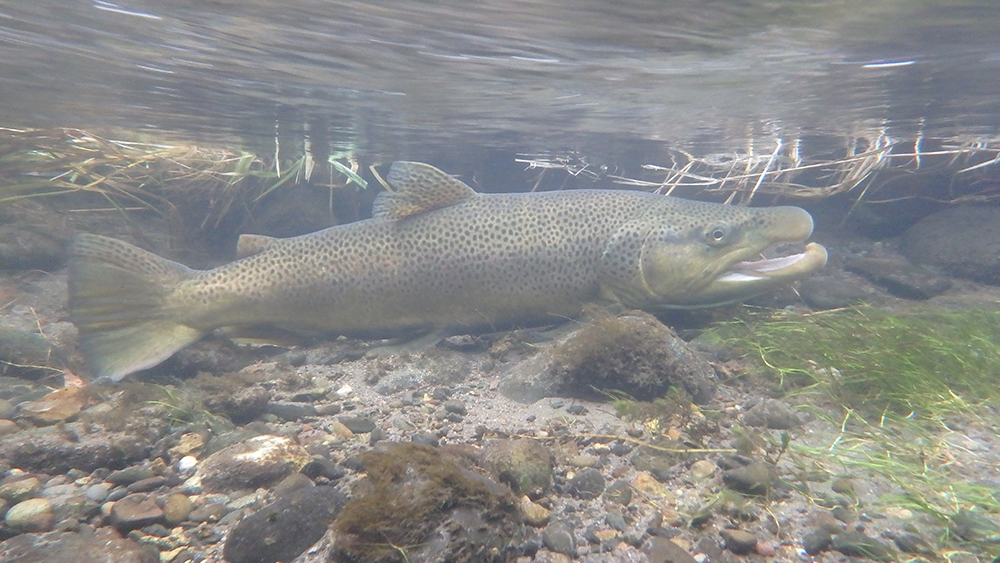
(436, 255)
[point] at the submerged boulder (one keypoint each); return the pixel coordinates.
(282, 530)
(633, 353)
(258, 462)
(962, 241)
(419, 504)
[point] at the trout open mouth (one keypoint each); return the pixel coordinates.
(784, 267)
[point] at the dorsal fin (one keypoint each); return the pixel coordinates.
(419, 188)
(248, 245)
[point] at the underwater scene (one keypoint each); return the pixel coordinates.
(692, 281)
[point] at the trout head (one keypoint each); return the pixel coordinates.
(688, 254)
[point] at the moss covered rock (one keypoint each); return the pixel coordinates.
(419, 504)
(633, 353)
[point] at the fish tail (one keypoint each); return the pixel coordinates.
(118, 302)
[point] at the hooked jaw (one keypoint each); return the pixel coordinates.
(737, 277)
(749, 278)
(776, 269)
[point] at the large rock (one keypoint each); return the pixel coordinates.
(57, 452)
(632, 352)
(285, 528)
(962, 241)
(102, 546)
(57, 406)
(899, 277)
(258, 462)
(28, 354)
(420, 505)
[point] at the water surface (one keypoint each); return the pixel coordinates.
(416, 79)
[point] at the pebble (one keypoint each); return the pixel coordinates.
(703, 469)
(7, 409)
(774, 414)
(615, 520)
(757, 478)
(290, 411)
(621, 449)
(186, 464)
(534, 514)
(20, 489)
(328, 409)
(177, 508)
(765, 549)
(322, 467)
(619, 492)
(816, 541)
(650, 487)
(843, 486)
(584, 460)
(32, 515)
(339, 430)
(98, 492)
(739, 542)
(587, 484)
(134, 512)
(129, 475)
(914, 544)
(116, 494)
(856, 544)
(293, 482)
(192, 443)
(455, 406)
(559, 538)
(8, 427)
(209, 512)
(358, 424)
(146, 485)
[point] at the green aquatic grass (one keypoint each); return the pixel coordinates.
(896, 390)
(924, 363)
(931, 473)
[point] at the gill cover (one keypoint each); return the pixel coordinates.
(653, 266)
(686, 254)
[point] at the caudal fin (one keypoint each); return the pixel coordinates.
(117, 300)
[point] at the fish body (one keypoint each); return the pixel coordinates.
(436, 255)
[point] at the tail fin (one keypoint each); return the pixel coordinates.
(117, 300)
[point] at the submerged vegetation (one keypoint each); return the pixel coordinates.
(926, 363)
(909, 386)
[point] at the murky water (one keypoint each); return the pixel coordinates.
(415, 79)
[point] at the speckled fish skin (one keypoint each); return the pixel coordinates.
(436, 255)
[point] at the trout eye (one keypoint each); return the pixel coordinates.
(717, 235)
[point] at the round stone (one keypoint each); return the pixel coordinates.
(176, 509)
(21, 489)
(587, 484)
(98, 492)
(32, 515)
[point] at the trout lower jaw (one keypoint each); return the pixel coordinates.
(776, 269)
